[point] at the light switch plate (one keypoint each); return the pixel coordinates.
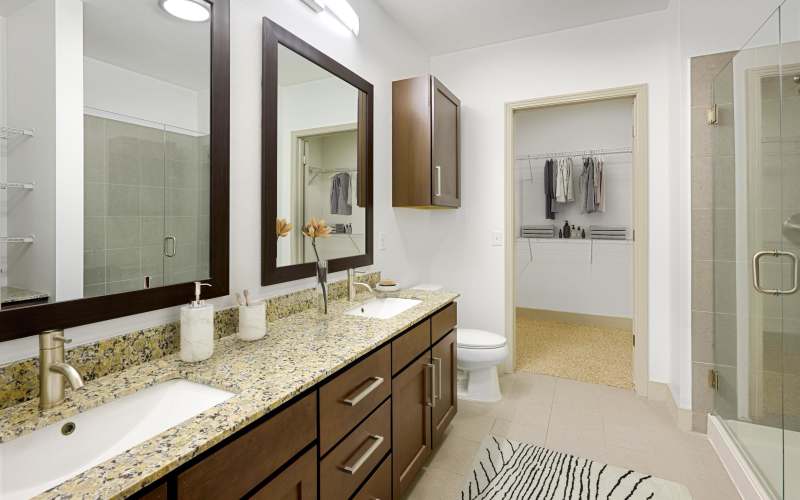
(497, 238)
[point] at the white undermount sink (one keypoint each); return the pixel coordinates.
(49, 456)
(383, 308)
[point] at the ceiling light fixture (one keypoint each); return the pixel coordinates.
(340, 9)
(195, 11)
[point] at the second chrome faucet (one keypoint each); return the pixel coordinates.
(352, 284)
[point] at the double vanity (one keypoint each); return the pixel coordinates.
(323, 407)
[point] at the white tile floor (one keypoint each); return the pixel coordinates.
(609, 425)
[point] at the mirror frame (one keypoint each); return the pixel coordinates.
(24, 321)
(274, 35)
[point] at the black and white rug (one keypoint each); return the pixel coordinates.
(510, 470)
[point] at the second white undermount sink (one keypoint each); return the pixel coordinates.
(49, 456)
(383, 308)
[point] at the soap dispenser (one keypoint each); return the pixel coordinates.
(197, 328)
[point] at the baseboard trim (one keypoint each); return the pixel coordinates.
(657, 391)
(741, 473)
(576, 318)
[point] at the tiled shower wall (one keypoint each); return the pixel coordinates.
(140, 185)
(713, 234)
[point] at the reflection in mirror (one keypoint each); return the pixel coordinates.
(317, 174)
(105, 153)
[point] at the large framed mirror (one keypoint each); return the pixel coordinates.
(114, 166)
(317, 159)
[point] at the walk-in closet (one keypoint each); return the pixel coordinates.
(574, 267)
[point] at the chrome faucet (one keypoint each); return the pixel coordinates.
(53, 371)
(352, 284)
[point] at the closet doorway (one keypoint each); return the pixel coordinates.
(576, 273)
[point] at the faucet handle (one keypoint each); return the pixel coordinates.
(52, 339)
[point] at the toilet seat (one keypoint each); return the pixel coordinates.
(467, 338)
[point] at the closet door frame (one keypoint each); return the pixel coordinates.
(639, 93)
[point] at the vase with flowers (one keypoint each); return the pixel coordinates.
(317, 228)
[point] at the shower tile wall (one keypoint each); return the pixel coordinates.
(141, 184)
(713, 233)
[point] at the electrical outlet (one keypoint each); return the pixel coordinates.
(381, 241)
(497, 238)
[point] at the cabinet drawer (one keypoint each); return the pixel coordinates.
(443, 321)
(356, 456)
(351, 396)
(297, 482)
(235, 469)
(379, 486)
(410, 345)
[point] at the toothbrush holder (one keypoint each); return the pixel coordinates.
(252, 321)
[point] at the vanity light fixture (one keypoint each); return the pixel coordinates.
(195, 11)
(340, 9)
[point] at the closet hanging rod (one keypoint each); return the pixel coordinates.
(571, 154)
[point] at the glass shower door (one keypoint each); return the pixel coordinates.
(754, 263)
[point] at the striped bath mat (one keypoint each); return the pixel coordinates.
(510, 470)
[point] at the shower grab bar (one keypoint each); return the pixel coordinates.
(757, 272)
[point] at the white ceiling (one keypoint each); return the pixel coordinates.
(137, 35)
(443, 26)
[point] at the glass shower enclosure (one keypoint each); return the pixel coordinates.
(755, 134)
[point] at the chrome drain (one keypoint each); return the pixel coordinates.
(68, 428)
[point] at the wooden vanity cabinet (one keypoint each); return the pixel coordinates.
(444, 357)
(426, 162)
(363, 433)
(411, 422)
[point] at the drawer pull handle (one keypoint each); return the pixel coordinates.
(352, 469)
(376, 382)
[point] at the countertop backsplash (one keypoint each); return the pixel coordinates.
(19, 380)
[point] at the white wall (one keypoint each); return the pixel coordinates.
(625, 52)
(380, 54)
(118, 90)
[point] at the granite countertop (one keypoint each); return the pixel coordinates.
(298, 352)
(12, 295)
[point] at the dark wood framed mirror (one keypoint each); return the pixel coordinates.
(146, 212)
(317, 119)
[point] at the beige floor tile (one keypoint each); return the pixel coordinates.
(602, 423)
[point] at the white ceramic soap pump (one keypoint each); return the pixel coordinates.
(197, 328)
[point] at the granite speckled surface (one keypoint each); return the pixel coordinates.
(299, 351)
(13, 295)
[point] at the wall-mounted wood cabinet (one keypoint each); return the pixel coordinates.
(426, 126)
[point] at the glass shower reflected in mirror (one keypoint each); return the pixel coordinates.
(756, 220)
(105, 165)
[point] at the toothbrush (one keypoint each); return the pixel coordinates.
(239, 299)
(246, 298)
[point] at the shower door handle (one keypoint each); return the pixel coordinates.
(438, 180)
(757, 272)
(169, 250)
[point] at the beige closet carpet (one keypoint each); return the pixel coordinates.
(598, 355)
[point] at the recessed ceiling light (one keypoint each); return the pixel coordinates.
(195, 11)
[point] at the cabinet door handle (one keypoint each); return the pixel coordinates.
(438, 372)
(432, 401)
(438, 180)
(354, 400)
(353, 468)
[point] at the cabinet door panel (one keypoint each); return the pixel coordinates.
(446, 405)
(445, 152)
(411, 423)
(297, 482)
(379, 486)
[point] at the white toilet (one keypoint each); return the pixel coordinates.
(479, 353)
